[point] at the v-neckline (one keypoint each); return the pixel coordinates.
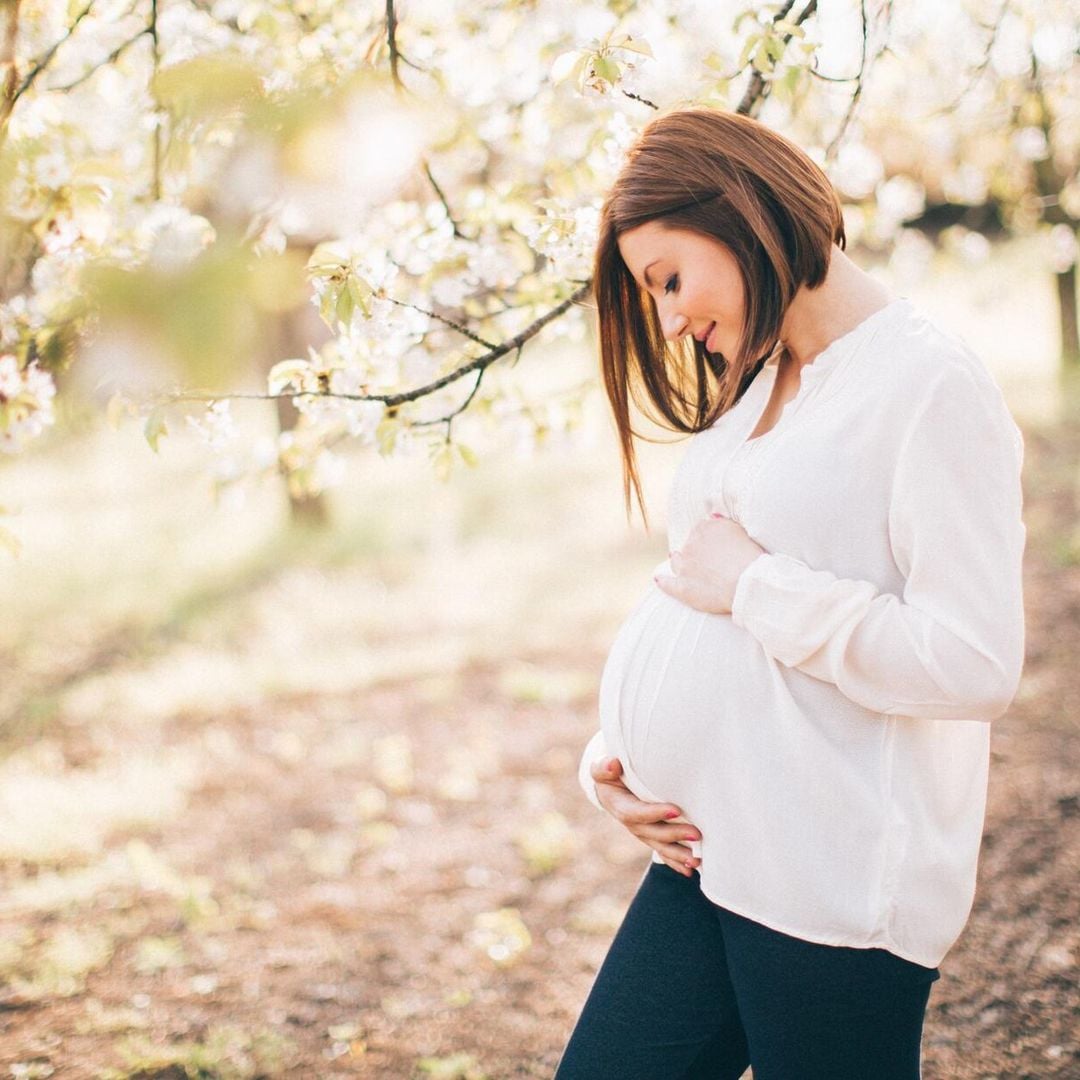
(810, 374)
(752, 437)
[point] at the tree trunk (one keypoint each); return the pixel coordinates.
(1070, 339)
(295, 332)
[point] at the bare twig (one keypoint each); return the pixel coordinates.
(395, 74)
(477, 363)
(834, 143)
(426, 165)
(463, 330)
(391, 43)
(984, 63)
(7, 58)
(448, 419)
(835, 78)
(757, 90)
(45, 59)
(156, 189)
(638, 97)
(97, 67)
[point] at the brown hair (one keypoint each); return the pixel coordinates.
(731, 178)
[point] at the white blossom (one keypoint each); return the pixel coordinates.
(1030, 143)
(26, 403)
(216, 426)
(172, 235)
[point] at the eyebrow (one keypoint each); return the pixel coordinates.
(645, 273)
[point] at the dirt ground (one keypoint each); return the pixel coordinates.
(332, 899)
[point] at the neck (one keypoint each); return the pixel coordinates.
(817, 317)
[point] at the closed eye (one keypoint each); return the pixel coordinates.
(671, 284)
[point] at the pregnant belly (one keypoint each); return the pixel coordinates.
(676, 683)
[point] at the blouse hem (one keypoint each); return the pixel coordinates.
(818, 938)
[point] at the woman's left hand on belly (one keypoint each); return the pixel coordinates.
(707, 566)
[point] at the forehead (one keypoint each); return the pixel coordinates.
(646, 243)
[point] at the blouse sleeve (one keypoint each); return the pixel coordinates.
(951, 646)
(595, 750)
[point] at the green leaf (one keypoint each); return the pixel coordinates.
(155, 427)
(761, 59)
(749, 46)
(328, 257)
(344, 308)
(468, 455)
(627, 42)
(285, 372)
(748, 13)
(454, 1067)
(775, 47)
(361, 292)
(442, 458)
(566, 65)
(387, 432)
(790, 81)
(605, 68)
(114, 411)
(10, 541)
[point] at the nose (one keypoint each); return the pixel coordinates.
(673, 324)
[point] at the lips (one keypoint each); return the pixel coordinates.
(707, 337)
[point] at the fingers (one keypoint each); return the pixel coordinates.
(620, 801)
(606, 770)
(649, 822)
(662, 833)
(623, 805)
(681, 864)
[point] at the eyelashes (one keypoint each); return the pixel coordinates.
(671, 283)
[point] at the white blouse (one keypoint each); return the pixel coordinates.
(830, 737)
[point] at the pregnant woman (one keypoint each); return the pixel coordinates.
(796, 717)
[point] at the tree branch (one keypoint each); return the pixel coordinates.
(638, 97)
(448, 419)
(478, 363)
(391, 42)
(44, 60)
(443, 199)
(834, 143)
(758, 88)
(7, 57)
(984, 63)
(463, 330)
(114, 55)
(156, 186)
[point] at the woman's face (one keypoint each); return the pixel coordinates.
(693, 280)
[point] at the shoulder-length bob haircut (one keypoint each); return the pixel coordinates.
(731, 178)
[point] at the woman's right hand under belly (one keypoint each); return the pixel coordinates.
(652, 823)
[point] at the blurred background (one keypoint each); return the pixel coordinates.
(293, 684)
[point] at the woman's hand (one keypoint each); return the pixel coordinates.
(649, 822)
(708, 565)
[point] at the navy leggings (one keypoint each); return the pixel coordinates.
(692, 991)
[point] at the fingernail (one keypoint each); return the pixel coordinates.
(671, 814)
(691, 836)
